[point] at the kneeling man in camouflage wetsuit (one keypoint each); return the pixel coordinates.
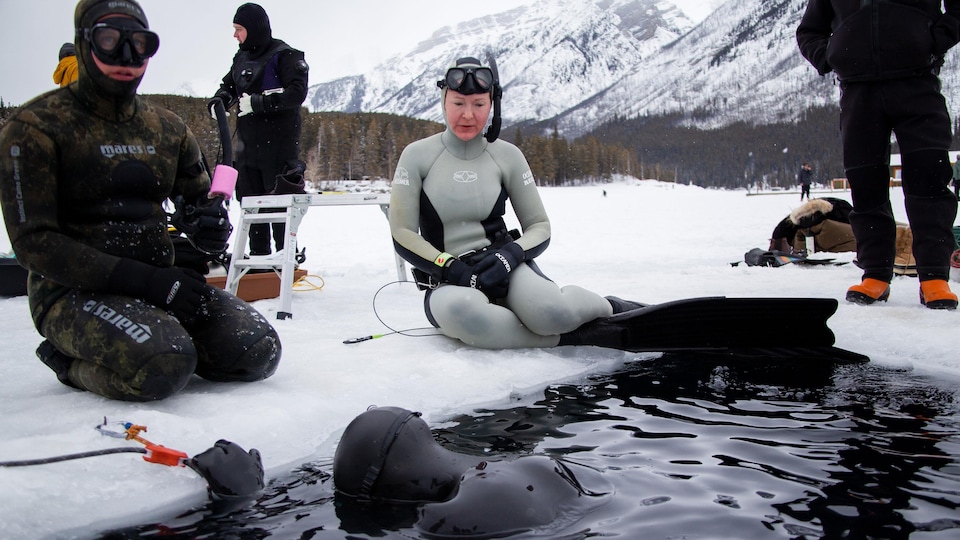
(84, 172)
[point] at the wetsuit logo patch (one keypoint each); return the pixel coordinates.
(21, 211)
(401, 177)
(110, 150)
(173, 292)
(465, 177)
(136, 331)
(528, 178)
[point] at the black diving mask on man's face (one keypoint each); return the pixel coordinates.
(120, 41)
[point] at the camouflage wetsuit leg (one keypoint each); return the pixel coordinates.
(128, 349)
(234, 342)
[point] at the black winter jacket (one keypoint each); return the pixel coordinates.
(872, 40)
(271, 135)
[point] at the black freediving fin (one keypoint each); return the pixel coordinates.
(767, 327)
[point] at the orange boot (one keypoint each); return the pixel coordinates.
(936, 294)
(868, 292)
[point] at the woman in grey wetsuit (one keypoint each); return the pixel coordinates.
(446, 217)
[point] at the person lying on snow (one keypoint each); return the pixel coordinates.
(826, 219)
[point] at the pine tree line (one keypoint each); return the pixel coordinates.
(558, 162)
(354, 146)
(740, 155)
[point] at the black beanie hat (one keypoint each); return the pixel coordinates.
(67, 49)
(254, 19)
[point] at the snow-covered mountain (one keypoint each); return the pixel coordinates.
(577, 64)
(552, 54)
(740, 63)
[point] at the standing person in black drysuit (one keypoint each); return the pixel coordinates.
(804, 178)
(268, 82)
(84, 172)
(887, 55)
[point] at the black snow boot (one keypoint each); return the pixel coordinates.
(57, 361)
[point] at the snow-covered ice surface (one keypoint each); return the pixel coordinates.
(648, 241)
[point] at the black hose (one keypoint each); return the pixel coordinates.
(68, 457)
(494, 131)
(226, 145)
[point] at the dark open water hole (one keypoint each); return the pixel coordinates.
(695, 447)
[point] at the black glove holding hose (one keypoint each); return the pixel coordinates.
(177, 290)
(206, 223)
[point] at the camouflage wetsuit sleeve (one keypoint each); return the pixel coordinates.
(80, 192)
(450, 197)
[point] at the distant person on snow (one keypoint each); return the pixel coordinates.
(84, 172)
(804, 178)
(446, 217)
(268, 83)
(66, 71)
(893, 87)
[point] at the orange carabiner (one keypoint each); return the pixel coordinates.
(164, 456)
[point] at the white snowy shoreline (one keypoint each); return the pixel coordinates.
(647, 241)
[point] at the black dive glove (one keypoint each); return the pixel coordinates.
(206, 223)
(230, 471)
(177, 290)
(493, 271)
(459, 273)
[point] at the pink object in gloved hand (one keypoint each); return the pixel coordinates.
(224, 180)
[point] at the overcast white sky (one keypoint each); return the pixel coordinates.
(341, 37)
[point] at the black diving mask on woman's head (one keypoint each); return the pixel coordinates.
(121, 41)
(469, 79)
(467, 76)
